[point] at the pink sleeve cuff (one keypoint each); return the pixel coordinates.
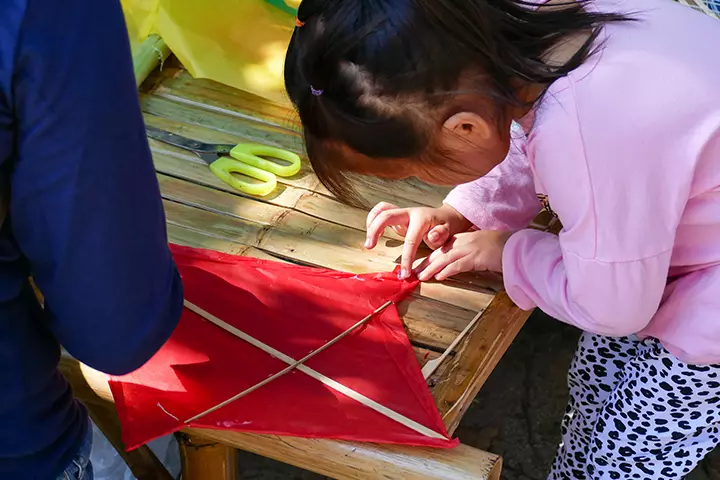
(511, 269)
(490, 203)
(480, 213)
(607, 298)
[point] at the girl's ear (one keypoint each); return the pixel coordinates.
(467, 131)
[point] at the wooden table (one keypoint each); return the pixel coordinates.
(303, 224)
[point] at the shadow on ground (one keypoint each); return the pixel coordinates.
(516, 414)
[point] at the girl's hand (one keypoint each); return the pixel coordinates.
(433, 225)
(465, 252)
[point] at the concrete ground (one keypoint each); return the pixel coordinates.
(516, 414)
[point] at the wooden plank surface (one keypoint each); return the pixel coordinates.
(429, 322)
(366, 461)
(479, 353)
(228, 114)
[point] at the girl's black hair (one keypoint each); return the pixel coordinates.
(362, 72)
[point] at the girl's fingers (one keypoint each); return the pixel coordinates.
(464, 264)
(437, 237)
(433, 258)
(436, 262)
(421, 268)
(416, 231)
(377, 210)
(382, 221)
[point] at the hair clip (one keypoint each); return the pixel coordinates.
(316, 91)
(298, 23)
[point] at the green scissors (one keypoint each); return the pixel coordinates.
(245, 158)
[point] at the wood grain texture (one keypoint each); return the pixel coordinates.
(215, 106)
(211, 96)
(477, 358)
(366, 461)
(337, 459)
(304, 238)
(429, 322)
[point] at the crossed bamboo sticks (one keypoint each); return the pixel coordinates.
(300, 366)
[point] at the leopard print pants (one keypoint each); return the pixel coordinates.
(636, 412)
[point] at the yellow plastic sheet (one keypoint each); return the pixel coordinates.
(240, 43)
(140, 18)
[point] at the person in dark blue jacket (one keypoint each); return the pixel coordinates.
(85, 221)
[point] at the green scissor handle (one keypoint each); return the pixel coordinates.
(225, 167)
(251, 154)
(245, 159)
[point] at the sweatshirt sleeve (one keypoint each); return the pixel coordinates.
(607, 298)
(620, 199)
(505, 198)
(85, 207)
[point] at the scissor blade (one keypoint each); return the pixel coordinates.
(204, 150)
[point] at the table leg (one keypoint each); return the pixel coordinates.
(207, 460)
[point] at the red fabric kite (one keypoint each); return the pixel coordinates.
(294, 310)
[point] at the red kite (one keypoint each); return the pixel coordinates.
(268, 316)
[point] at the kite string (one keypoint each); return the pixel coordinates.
(169, 414)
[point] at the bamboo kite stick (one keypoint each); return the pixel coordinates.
(149, 54)
(329, 382)
(291, 367)
(432, 365)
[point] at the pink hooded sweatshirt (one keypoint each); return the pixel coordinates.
(627, 150)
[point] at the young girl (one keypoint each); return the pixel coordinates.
(619, 107)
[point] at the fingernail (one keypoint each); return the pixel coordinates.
(403, 274)
(433, 236)
(367, 243)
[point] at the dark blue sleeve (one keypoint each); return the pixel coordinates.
(86, 208)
